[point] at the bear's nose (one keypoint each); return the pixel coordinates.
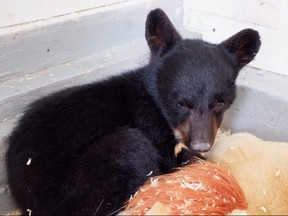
(201, 147)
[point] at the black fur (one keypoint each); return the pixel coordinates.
(92, 146)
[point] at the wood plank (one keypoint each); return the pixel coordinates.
(15, 12)
(47, 43)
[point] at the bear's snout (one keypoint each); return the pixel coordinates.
(200, 147)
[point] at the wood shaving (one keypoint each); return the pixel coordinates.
(29, 161)
(277, 173)
(29, 212)
(263, 209)
(154, 182)
(150, 173)
(193, 186)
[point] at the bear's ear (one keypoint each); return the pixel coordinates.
(160, 33)
(244, 46)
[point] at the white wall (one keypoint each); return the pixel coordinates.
(219, 19)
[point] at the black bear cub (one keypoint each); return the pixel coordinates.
(85, 150)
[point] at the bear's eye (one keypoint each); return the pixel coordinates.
(185, 104)
(219, 106)
(181, 104)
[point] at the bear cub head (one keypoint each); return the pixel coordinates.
(193, 81)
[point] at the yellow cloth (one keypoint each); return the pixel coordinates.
(261, 168)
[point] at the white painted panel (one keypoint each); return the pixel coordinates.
(260, 12)
(216, 24)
